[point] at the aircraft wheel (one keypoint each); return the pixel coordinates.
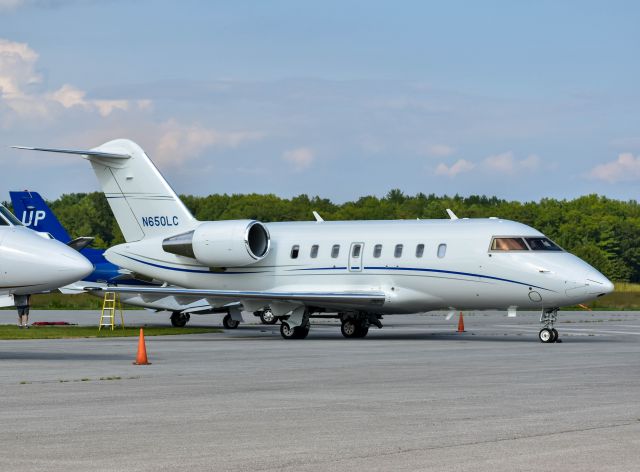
(267, 317)
(349, 329)
(229, 323)
(555, 335)
(179, 320)
(362, 331)
(296, 332)
(545, 335)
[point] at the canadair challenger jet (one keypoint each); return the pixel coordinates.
(356, 271)
(32, 263)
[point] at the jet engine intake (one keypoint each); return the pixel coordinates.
(233, 243)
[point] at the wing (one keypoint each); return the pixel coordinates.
(364, 300)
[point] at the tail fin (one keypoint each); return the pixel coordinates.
(142, 201)
(34, 213)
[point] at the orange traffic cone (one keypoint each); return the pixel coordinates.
(461, 324)
(141, 358)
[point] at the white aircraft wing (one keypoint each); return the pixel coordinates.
(351, 299)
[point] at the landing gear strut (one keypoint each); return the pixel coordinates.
(179, 319)
(548, 334)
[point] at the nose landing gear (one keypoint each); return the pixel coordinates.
(548, 334)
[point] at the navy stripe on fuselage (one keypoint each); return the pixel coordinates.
(414, 269)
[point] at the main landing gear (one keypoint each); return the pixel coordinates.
(296, 325)
(232, 319)
(267, 317)
(229, 323)
(548, 334)
(179, 319)
(357, 325)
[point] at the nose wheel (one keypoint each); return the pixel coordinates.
(548, 334)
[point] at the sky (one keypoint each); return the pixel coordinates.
(341, 99)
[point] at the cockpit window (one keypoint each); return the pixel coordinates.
(542, 244)
(508, 244)
(7, 217)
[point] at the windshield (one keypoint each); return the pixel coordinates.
(542, 244)
(523, 243)
(508, 244)
(9, 217)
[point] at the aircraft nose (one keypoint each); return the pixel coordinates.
(73, 264)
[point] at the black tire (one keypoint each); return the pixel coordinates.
(267, 317)
(555, 335)
(296, 332)
(349, 329)
(545, 335)
(179, 320)
(229, 323)
(362, 331)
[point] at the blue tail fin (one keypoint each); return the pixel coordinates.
(34, 213)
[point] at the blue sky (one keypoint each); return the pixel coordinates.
(522, 100)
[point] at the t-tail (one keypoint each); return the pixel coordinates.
(34, 213)
(141, 200)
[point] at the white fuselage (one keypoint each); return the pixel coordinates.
(465, 274)
(30, 263)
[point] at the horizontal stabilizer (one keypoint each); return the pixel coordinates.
(80, 153)
(80, 243)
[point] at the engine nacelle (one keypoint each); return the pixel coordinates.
(233, 243)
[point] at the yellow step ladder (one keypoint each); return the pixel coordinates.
(110, 304)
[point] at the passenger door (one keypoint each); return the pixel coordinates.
(355, 257)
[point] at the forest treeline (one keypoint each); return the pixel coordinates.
(602, 231)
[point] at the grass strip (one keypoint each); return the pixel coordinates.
(67, 332)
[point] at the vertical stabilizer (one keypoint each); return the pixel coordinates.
(142, 201)
(33, 211)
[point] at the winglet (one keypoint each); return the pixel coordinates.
(72, 151)
(451, 214)
(317, 216)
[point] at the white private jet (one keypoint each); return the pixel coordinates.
(32, 263)
(359, 270)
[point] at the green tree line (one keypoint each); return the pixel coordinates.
(602, 231)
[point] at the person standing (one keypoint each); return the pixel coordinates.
(22, 303)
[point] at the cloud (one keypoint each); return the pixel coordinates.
(177, 143)
(18, 76)
(500, 162)
(459, 167)
(301, 158)
(440, 150)
(506, 163)
(624, 169)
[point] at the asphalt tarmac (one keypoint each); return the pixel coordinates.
(413, 396)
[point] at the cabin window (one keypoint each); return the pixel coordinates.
(419, 250)
(295, 250)
(509, 244)
(335, 251)
(355, 253)
(377, 250)
(442, 250)
(314, 251)
(542, 244)
(398, 251)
